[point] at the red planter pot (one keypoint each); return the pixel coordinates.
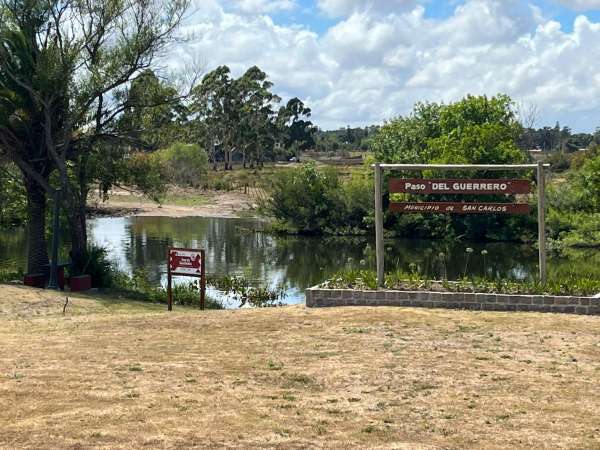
(40, 280)
(80, 283)
(35, 280)
(61, 278)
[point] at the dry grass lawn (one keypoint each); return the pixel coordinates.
(130, 375)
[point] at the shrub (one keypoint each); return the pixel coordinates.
(241, 290)
(185, 164)
(573, 218)
(9, 273)
(311, 200)
(558, 162)
(303, 198)
(95, 263)
(13, 202)
(147, 173)
(590, 182)
(138, 287)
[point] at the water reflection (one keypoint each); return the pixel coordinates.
(231, 248)
(292, 261)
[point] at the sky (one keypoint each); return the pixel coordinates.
(362, 62)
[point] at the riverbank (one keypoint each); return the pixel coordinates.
(127, 374)
(179, 202)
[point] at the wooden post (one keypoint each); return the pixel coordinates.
(203, 282)
(541, 184)
(169, 292)
(53, 283)
(169, 281)
(379, 250)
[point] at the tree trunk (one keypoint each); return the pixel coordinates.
(37, 247)
(213, 154)
(78, 233)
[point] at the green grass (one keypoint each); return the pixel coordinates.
(187, 199)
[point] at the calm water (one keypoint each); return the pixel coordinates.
(296, 263)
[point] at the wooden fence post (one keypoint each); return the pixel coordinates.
(541, 185)
(379, 250)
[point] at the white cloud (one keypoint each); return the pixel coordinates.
(262, 6)
(581, 5)
(338, 8)
(371, 66)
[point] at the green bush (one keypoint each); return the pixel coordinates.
(590, 182)
(311, 200)
(138, 287)
(147, 173)
(242, 291)
(13, 202)
(94, 262)
(8, 274)
(573, 219)
(573, 229)
(558, 162)
(185, 164)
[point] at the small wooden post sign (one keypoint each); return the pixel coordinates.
(186, 262)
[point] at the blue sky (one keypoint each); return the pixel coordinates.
(360, 62)
(565, 15)
(307, 13)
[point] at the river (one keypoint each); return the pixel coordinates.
(233, 247)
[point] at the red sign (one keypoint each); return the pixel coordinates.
(459, 186)
(460, 208)
(187, 262)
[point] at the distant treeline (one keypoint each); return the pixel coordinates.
(549, 139)
(344, 139)
(557, 139)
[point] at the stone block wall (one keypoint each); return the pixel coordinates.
(318, 297)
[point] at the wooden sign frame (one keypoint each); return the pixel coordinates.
(540, 169)
(201, 275)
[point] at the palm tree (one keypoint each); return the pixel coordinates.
(22, 133)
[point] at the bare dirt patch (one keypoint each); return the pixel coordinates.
(179, 203)
(127, 375)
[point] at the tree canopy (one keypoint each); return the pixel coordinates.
(477, 130)
(64, 69)
(238, 116)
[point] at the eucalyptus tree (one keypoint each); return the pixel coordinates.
(257, 118)
(64, 68)
(155, 115)
(213, 108)
(239, 115)
(296, 129)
